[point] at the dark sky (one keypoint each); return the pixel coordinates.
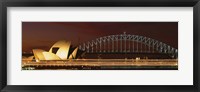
(42, 35)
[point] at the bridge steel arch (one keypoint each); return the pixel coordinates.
(126, 43)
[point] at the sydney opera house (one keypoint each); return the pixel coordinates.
(62, 53)
(59, 51)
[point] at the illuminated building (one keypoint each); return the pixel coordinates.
(59, 51)
(73, 55)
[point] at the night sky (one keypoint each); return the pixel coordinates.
(42, 35)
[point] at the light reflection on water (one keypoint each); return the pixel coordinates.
(102, 64)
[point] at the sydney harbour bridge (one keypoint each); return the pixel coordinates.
(123, 51)
(127, 43)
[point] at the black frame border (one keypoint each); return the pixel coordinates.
(99, 3)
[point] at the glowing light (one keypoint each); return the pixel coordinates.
(38, 53)
(73, 55)
(63, 50)
(51, 56)
(59, 51)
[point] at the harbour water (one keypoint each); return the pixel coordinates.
(102, 64)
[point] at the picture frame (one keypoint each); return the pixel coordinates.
(100, 3)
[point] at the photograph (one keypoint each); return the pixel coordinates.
(99, 45)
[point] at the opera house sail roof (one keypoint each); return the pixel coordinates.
(59, 51)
